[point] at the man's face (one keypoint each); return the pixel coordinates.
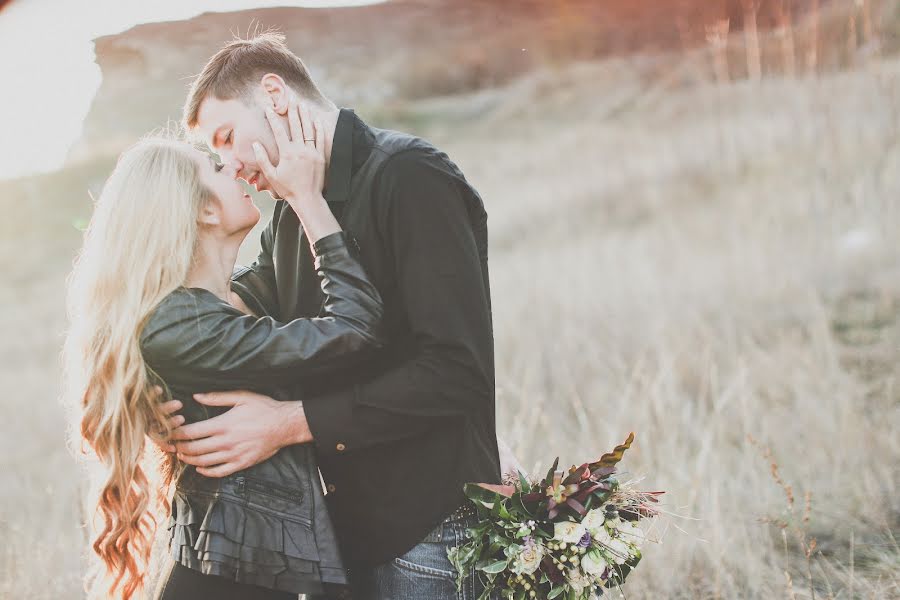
(230, 127)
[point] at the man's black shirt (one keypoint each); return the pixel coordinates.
(397, 432)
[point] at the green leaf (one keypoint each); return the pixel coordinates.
(453, 556)
(500, 509)
(523, 482)
(464, 555)
(493, 549)
(519, 507)
(496, 567)
(512, 550)
(601, 496)
(554, 592)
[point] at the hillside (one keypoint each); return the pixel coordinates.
(696, 260)
(397, 51)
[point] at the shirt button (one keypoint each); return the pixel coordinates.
(341, 447)
(330, 487)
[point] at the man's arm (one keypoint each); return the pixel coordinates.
(426, 221)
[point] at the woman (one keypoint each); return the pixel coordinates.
(149, 305)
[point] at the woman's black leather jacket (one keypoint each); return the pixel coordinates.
(266, 525)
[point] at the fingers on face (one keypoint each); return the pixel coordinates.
(309, 132)
(262, 159)
(320, 137)
(278, 130)
(296, 125)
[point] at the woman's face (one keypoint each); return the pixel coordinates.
(231, 210)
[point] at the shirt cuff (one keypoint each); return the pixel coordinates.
(328, 417)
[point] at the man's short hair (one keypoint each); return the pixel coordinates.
(240, 64)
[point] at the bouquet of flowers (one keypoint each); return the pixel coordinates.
(567, 536)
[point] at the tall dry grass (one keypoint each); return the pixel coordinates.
(702, 265)
(696, 263)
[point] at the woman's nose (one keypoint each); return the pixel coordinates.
(231, 162)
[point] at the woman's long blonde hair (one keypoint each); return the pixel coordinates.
(137, 249)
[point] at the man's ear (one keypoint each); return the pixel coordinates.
(209, 214)
(277, 92)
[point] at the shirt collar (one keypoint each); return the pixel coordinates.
(350, 148)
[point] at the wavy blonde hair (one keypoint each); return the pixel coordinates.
(137, 249)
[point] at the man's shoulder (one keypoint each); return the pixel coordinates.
(402, 147)
(405, 154)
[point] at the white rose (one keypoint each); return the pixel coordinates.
(568, 532)
(593, 564)
(593, 520)
(528, 560)
(630, 532)
(619, 550)
(577, 580)
(601, 536)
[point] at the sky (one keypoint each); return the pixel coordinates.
(48, 71)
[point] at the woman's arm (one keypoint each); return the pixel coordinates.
(195, 339)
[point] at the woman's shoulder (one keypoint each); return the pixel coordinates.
(181, 311)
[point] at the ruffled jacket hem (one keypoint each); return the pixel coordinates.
(218, 536)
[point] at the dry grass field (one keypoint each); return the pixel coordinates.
(715, 267)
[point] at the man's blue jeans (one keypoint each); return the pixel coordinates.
(423, 573)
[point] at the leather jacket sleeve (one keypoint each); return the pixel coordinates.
(195, 338)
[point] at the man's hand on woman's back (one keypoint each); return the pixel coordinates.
(251, 431)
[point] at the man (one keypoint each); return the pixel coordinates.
(398, 433)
